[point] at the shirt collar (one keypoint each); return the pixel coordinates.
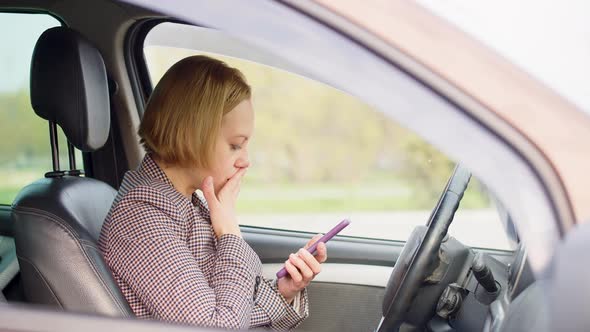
(153, 170)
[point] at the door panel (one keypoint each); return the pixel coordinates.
(8, 262)
(274, 246)
(343, 307)
(347, 274)
(5, 221)
(348, 294)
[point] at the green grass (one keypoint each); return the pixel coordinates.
(7, 195)
(389, 194)
(321, 205)
(313, 198)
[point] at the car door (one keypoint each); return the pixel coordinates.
(319, 156)
(345, 250)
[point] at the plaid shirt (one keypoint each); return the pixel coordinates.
(168, 263)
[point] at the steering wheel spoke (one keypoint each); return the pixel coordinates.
(420, 254)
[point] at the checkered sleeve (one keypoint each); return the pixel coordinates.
(148, 251)
(271, 309)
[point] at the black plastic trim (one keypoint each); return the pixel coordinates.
(6, 222)
(139, 75)
(15, 10)
(274, 245)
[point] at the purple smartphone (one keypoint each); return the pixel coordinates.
(312, 249)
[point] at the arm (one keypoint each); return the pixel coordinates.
(273, 310)
(272, 307)
(155, 261)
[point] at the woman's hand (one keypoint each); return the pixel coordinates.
(222, 207)
(302, 268)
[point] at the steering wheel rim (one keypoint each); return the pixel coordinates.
(405, 280)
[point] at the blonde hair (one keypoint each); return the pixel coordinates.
(183, 116)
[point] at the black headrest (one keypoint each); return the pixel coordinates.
(69, 87)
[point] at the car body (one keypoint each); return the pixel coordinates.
(526, 143)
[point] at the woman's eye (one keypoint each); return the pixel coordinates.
(235, 147)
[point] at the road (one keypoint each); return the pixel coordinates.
(480, 228)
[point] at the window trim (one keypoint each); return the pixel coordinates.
(258, 58)
(332, 43)
(135, 61)
(61, 22)
(34, 12)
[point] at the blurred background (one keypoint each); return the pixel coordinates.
(318, 155)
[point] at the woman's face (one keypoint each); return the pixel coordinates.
(231, 148)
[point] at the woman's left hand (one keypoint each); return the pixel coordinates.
(302, 267)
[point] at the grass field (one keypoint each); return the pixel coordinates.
(294, 198)
(388, 195)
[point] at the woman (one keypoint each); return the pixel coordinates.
(175, 257)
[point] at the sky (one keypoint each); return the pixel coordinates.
(18, 34)
(548, 39)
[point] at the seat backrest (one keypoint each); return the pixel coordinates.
(57, 219)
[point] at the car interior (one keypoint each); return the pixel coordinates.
(87, 77)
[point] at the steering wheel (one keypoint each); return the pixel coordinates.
(420, 254)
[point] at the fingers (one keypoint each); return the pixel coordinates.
(298, 270)
(209, 192)
(234, 181)
(321, 253)
(312, 263)
(312, 241)
(305, 270)
(233, 184)
(293, 272)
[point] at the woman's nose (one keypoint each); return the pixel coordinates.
(243, 161)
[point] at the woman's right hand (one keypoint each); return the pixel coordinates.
(223, 205)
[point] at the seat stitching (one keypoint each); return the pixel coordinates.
(42, 278)
(69, 231)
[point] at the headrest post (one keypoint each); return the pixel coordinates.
(54, 145)
(72, 156)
